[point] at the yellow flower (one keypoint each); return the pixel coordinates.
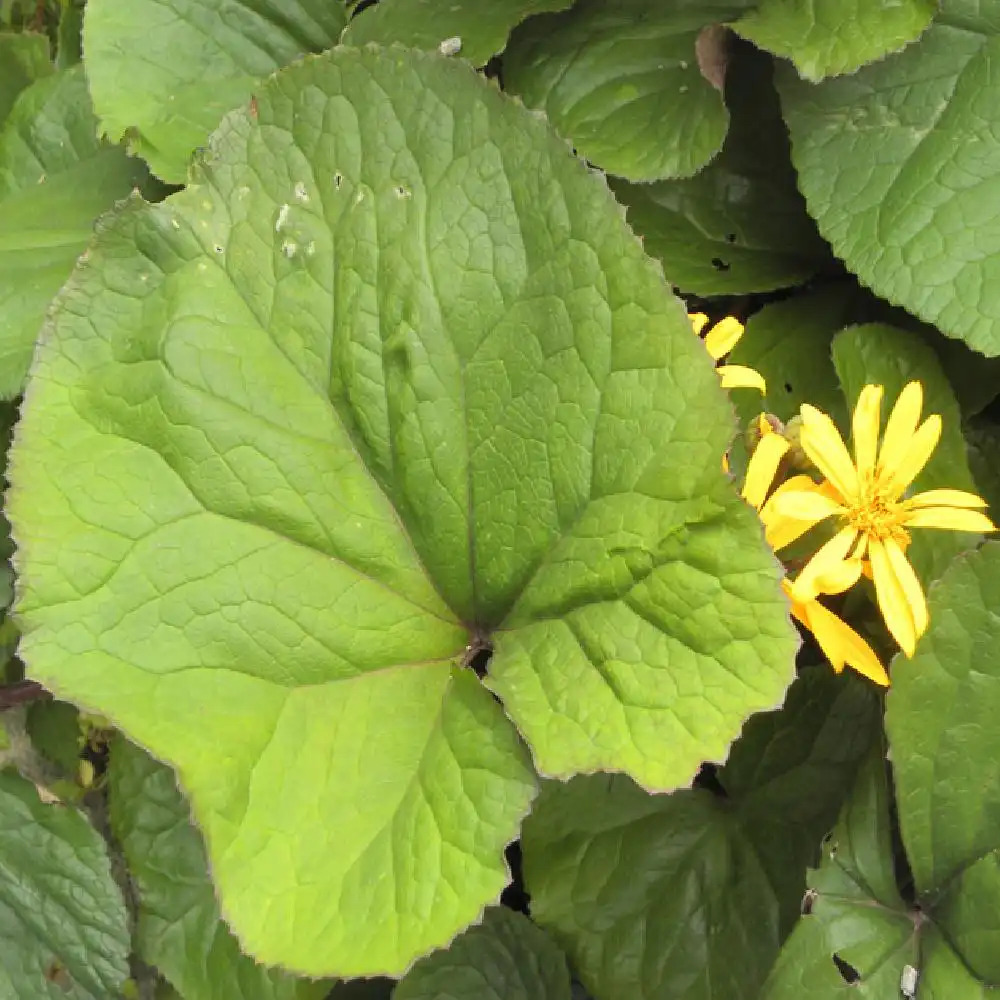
(840, 643)
(719, 341)
(866, 495)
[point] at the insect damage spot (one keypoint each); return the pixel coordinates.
(712, 51)
(847, 971)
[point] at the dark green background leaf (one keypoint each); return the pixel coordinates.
(830, 37)
(56, 177)
(506, 957)
(162, 73)
(740, 225)
(63, 932)
(690, 895)
(482, 27)
(941, 720)
(900, 166)
(23, 59)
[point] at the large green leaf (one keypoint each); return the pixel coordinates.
(163, 72)
(882, 355)
(368, 392)
(480, 28)
(946, 751)
(829, 37)
(23, 59)
(622, 80)
(505, 958)
(56, 177)
(63, 931)
(689, 895)
(899, 165)
(740, 225)
(179, 930)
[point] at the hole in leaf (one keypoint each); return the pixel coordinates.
(788, 387)
(848, 973)
(515, 896)
(719, 264)
(708, 778)
(477, 655)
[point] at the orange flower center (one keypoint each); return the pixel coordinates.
(877, 514)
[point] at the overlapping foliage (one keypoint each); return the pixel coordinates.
(376, 515)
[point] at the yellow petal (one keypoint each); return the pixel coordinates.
(741, 377)
(806, 506)
(698, 321)
(911, 585)
(891, 598)
(763, 467)
(782, 531)
(824, 564)
(899, 469)
(723, 337)
(903, 420)
(842, 645)
(950, 519)
(822, 442)
(841, 577)
(865, 428)
(946, 498)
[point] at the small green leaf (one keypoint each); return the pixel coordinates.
(180, 930)
(506, 956)
(829, 37)
(481, 29)
(882, 355)
(740, 225)
(162, 73)
(360, 407)
(62, 918)
(899, 165)
(23, 60)
(56, 177)
(635, 85)
(689, 895)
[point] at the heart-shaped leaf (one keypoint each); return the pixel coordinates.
(368, 396)
(636, 86)
(162, 73)
(900, 167)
